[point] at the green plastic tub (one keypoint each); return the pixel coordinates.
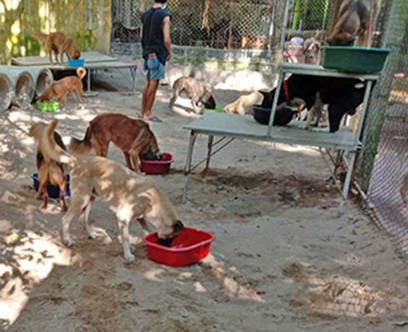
(354, 59)
(217, 109)
(50, 106)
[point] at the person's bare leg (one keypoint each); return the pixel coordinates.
(144, 97)
(149, 95)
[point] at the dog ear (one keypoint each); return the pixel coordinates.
(178, 226)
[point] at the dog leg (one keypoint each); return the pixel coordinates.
(83, 218)
(124, 229)
(173, 98)
(127, 159)
(62, 187)
(75, 208)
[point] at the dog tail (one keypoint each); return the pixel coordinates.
(52, 150)
(84, 146)
(81, 72)
(42, 37)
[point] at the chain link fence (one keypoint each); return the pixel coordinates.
(266, 24)
(384, 161)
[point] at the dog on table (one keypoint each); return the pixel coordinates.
(342, 95)
(353, 20)
(48, 170)
(196, 91)
(243, 105)
(58, 43)
(59, 89)
(128, 194)
(132, 136)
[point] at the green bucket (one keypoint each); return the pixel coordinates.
(354, 59)
(50, 106)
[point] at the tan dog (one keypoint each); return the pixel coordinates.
(58, 43)
(353, 20)
(59, 89)
(243, 105)
(195, 90)
(48, 170)
(311, 51)
(404, 189)
(132, 136)
(128, 194)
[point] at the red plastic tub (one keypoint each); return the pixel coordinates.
(161, 166)
(190, 246)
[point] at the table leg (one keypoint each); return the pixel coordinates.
(350, 168)
(89, 80)
(210, 144)
(187, 168)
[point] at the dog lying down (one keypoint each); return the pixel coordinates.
(243, 105)
(129, 194)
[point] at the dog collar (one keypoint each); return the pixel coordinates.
(286, 90)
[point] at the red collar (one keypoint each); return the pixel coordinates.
(286, 89)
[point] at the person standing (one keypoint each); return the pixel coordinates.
(156, 46)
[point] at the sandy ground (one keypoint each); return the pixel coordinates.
(289, 254)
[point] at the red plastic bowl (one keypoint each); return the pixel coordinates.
(161, 166)
(190, 246)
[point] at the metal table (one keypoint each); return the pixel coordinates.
(93, 61)
(245, 127)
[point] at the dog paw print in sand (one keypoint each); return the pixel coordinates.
(333, 295)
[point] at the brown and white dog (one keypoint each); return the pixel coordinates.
(58, 43)
(60, 89)
(48, 170)
(195, 90)
(243, 105)
(128, 194)
(132, 136)
(353, 21)
(311, 50)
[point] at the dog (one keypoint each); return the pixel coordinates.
(353, 20)
(49, 170)
(59, 89)
(196, 91)
(404, 189)
(132, 136)
(243, 105)
(58, 43)
(316, 112)
(311, 50)
(342, 95)
(129, 194)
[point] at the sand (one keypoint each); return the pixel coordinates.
(290, 254)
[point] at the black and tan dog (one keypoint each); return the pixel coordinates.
(341, 94)
(133, 136)
(48, 170)
(195, 90)
(58, 43)
(129, 194)
(353, 20)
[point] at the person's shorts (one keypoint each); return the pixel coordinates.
(155, 69)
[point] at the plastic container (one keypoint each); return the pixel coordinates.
(50, 106)
(217, 109)
(76, 62)
(282, 116)
(53, 191)
(157, 167)
(190, 246)
(354, 59)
